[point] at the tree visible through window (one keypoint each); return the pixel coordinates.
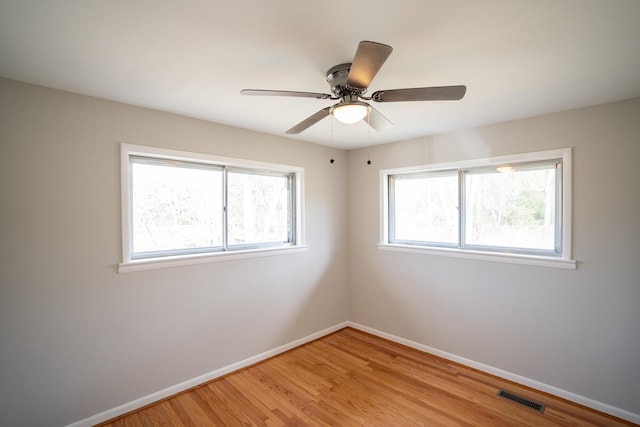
(514, 208)
(175, 207)
(257, 208)
(426, 207)
(179, 206)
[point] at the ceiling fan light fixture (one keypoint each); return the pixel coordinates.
(350, 112)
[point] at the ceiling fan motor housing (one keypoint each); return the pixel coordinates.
(337, 78)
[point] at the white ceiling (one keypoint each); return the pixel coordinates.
(192, 57)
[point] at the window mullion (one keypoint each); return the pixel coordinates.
(391, 209)
(224, 210)
(293, 229)
(462, 210)
(558, 211)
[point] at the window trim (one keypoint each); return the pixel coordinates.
(135, 264)
(563, 260)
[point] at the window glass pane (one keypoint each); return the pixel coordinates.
(175, 207)
(258, 208)
(425, 208)
(515, 209)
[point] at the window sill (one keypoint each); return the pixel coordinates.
(540, 261)
(178, 261)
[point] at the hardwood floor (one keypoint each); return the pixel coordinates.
(351, 378)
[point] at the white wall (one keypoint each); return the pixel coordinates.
(77, 338)
(575, 330)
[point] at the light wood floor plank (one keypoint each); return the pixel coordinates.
(351, 378)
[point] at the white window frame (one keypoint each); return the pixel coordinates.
(130, 264)
(562, 260)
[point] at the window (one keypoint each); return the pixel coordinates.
(512, 207)
(179, 207)
(176, 207)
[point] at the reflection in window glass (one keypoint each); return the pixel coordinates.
(516, 209)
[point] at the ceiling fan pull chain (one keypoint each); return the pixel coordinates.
(368, 136)
(332, 160)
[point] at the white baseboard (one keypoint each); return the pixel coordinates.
(154, 397)
(585, 401)
(185, 385)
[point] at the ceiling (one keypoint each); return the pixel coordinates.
(192, 57)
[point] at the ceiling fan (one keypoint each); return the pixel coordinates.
(349, 83)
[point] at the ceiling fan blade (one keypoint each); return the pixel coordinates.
(439, 93)
(378, 121)
(309, 121)
(367, 62)
(260, 92)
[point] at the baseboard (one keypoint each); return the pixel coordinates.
(169, 391)
(581, 400)
(185, 385)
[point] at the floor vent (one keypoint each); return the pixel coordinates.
(522, 401)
